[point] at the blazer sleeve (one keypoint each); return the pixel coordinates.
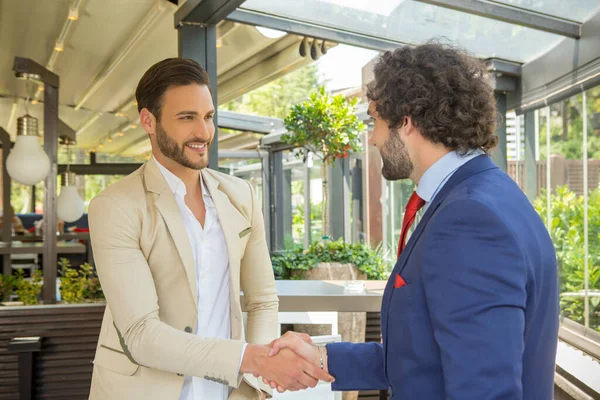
(474, 277)
(130, 293)
(258, 284)
(356, 366)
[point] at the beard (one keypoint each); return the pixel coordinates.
(169, 148)
(396, 161)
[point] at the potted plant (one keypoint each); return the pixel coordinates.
(328, 127)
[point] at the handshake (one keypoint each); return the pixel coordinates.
(291, 362)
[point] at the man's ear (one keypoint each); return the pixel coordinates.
(408, 125)
(148, 121)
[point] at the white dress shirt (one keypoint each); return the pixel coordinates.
(212, 275)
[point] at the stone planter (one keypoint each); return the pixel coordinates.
(351, 325)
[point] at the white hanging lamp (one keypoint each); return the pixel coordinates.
(69, 205)
(27, 162)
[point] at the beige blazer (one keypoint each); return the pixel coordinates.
(145, 264)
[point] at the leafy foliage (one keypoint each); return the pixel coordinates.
(366, 259)
(566, 230)
(29, 290)
(8, 284)
(79, 285)
(76, 285)
(326, 125)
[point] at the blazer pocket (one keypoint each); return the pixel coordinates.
(114, 360)
(245, 232)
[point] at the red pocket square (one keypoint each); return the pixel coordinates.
(399, 282)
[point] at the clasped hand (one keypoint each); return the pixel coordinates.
(295, 364)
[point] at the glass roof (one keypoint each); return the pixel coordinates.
(574, 10)
(413, 22)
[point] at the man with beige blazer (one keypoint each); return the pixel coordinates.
(174, 243)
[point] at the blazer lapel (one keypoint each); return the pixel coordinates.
(232, 223)
(168, 208)
(472, 167)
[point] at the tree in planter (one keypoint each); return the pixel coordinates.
(328, 127)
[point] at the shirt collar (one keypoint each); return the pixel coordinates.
(440, 170)
(176, 184)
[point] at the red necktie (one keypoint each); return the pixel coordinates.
(415, 203)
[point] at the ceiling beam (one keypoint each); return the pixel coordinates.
(512, 15)
(249, 123)
(208, 12)
(313, 30)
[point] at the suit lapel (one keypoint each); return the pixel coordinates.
(474, 166)
(168, 208)
(232, 223)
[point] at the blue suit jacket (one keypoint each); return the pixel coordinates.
(478, 317)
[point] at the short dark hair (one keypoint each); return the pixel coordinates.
(163, 75)
(446, 93)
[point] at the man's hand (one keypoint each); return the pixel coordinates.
(301, 344)
(291, 371)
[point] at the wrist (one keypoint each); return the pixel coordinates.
(325, 368)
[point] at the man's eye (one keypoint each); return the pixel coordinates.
(210, 116)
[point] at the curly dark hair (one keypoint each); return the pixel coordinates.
(446, 93)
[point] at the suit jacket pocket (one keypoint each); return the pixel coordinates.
(114, 360)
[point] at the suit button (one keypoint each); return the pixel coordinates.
(188, 329)
(179, 374)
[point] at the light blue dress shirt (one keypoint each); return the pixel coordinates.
(436, 176)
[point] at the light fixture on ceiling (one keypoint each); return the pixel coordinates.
(73, 13)
(270, 33)
(27, 162)
(69, 205)
(59, 46)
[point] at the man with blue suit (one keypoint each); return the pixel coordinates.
(470, 311)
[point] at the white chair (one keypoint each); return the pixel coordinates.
(321, 317)
(24, 261)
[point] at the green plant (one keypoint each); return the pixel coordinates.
(367, 260)
(566, 230)
(7, 286)
(79, 285)
(328, 127)
(28, 290)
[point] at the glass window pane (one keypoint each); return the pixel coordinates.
(576, 10)
(593, 145)
(414, 22)
(515, 143)
(567, 206)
